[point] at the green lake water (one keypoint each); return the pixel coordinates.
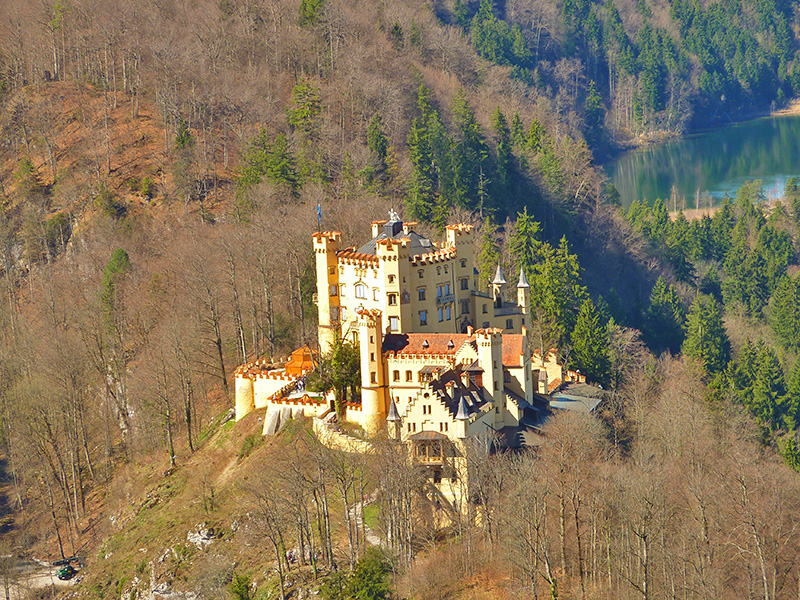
(711, 164)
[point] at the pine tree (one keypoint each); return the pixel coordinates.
(504, 158)
(523, 246)
(517, 132)
(769, 388)
(706, 339)
(590, 353)
(557, 292)
(490, 36)
(664, 319)
(785, 313)
(488, 254)
(791, 409)
(469, 153)
(594, 114)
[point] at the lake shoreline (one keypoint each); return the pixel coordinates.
(659, 137)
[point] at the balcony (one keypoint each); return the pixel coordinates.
(447, 299)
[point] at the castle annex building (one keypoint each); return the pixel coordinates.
(441, 361)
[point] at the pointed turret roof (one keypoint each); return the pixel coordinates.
(463, 410)
(498, 277)
(523, 281)
(393, 416)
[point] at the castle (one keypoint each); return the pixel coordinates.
(441, 361)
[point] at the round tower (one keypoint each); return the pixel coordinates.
(374, 391)
(243, 390)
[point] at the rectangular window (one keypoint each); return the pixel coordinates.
(342, 313)
(465, 284)
(465, 307)
(392, 299)
(409, 376)
(333, 290)
(391, 278)
(447, 311)
(395, 375)
(438, 291)
(484, 311)
(485, 324)
(371, 357)
(423, 317)
(441, 314)
(334, 313)
(342, 289)
(446, 289)
(373, 377)
(361, 291)
(509, 323)
(375, 292)
(421, 292)
(394, 324)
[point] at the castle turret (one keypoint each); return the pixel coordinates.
(326, 244)
(393, 421)
(497, 287)
(374, 391)
(523, 294)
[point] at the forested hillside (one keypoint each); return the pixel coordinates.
(162, 166)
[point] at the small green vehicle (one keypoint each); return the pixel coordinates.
(66, 573)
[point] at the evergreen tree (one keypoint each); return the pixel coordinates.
(376, 173)
(791, 194)
(791, 409)
(523, 246)
(490, 36)
(469, 153)
(305, 107)
(706, 339)
(557, 292)
(664, 319)
(488, 254)
(504, 158)
(594, 115)
(769, 388)
(590, 344)
(517, 132)
(785, 311)
(460, 14)
(280, 164)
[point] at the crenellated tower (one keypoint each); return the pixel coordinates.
(326, 244)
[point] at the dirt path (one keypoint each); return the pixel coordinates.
(26, 576)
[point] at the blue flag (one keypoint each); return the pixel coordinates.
(319, 215)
